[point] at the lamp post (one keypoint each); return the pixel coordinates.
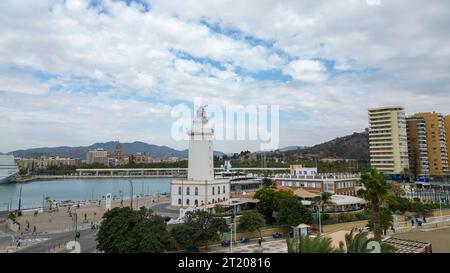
(440, 203)
(131, 188)
(320, 221)
(19, 210)
(75, 222)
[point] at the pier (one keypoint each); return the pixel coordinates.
(105, 173)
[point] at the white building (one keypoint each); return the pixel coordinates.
(98, 155)
(388, 143)
(200, 187)
(300, 170)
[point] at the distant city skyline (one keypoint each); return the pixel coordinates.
(73, 73)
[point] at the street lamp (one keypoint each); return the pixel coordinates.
(440, 203)
(75, 220)
(320, 221)
(131, 188)
(19, 210)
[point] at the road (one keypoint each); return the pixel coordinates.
(163, 210)
(57, 243)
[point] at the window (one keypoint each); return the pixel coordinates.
(196, 191)
(224, 191)
(213, 191)
(196, 202)
(187, 202)
(179, 201)
(188, 191)
(179, 190)
(218, 190)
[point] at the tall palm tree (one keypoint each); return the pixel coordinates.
(323, 200)
(377, 192)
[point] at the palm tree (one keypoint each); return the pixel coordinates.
(323, 200)
(49, 201)
(311, 245)
(377, 192)
(358, 243)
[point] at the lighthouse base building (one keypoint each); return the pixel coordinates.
(195, 193)
(200, 188)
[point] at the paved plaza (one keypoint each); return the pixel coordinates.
(272, 246)
(62, 220)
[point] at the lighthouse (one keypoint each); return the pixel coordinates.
(201, 159)
(200, 188)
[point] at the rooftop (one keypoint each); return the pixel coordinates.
(408, 246)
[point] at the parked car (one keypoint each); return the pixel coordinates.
(191, 249)
(277, 235)
(244, 240)
(225, 243)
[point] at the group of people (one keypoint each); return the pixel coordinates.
(27, 228)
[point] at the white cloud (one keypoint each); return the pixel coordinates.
(59, 52)
(25, 84)
(306, 70)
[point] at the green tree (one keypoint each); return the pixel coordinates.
(267, 182)
(358, 243)
(267, 202)
(291, 212)
(377, 192)
(183, 235)
(323, 200)
(311, 245)
(206, 226)
(251, 221)
(386, 219)
(124, 230)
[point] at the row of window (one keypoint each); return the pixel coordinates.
(302, 184)
(188, 201)
(345, 185)
(188, 190)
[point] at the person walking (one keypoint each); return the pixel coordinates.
(260, 243)
(50, 218)
(34, 230)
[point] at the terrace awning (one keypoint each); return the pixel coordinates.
(304, 194)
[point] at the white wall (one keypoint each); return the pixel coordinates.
(205, 192)
(304, 171)
(201, 161)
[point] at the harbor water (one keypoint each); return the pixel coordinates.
(34, 193)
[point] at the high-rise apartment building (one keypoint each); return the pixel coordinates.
(388, 141)
(417, 147)
(97, 156)
(447, 132)
(436, 141)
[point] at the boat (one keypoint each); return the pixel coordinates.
(8, 168)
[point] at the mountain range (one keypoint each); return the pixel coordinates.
(155, 151)
(354, 146)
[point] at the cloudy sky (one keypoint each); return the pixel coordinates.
(79, 72)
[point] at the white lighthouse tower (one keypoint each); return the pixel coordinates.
(201, 160)
(200, 188)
